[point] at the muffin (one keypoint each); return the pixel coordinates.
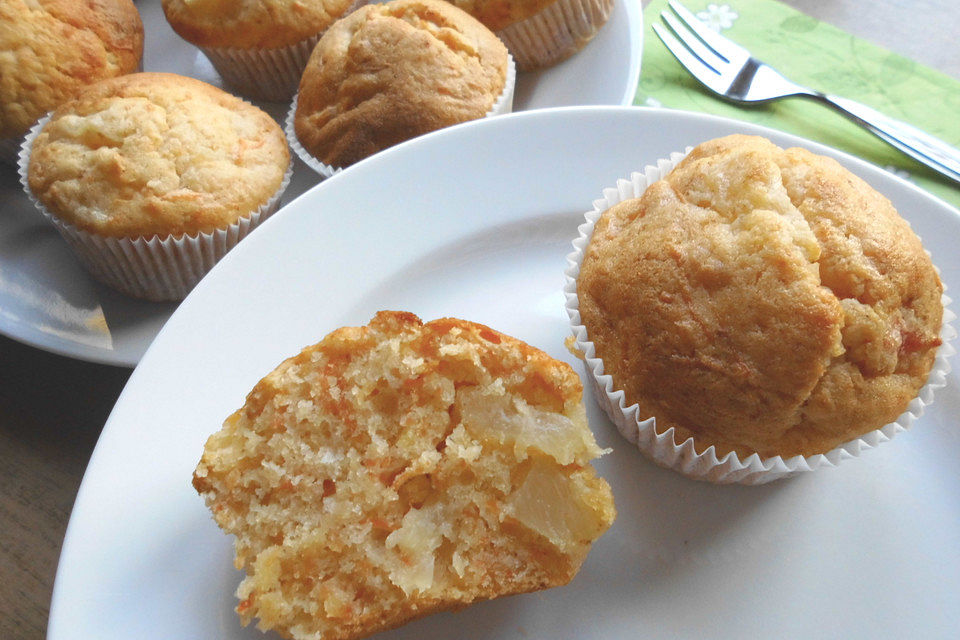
(390, 72)
(540, 33)
(260, 48)
(759, 301)
(51, 49)
(399, 469)
(152, 177)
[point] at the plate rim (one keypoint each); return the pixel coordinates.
(300, 205)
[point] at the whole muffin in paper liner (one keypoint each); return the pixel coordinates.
(390, 72)
(541, 33)
(260, 48)
(761, 304)
(152, 177)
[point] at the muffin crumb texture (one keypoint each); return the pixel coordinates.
(390, 72)
(51, 49)
(399, 469)
(761, 300)
(156, 154)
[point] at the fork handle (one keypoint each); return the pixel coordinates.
(931, 151)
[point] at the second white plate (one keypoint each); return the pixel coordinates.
(47, 300)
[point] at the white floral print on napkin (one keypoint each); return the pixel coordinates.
(900, 173)
(718, 16)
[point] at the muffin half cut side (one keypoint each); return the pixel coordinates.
(402, 468)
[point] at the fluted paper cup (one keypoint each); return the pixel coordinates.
(503, 104)
(157, 268)
(271, 75)
(662, 446)
(555, 32)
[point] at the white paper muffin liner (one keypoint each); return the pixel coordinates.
(661, 447)
(503, 104)
(158, 269)
(271, 75)
(555, 32)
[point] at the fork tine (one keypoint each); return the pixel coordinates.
(700, 70)
(707, 55)
(726, 49)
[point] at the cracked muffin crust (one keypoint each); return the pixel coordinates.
(401, 468)
(156, 154)
(390, 72)
(51, 49)
(761, 300)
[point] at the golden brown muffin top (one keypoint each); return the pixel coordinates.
(497, 14)
(402, 468)
(762, 300)
(156, 154)
(390, 72)
(251, 24)
(51, 49)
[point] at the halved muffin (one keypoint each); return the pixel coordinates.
(402, 468)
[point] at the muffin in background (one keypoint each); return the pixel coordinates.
(260, 48)
(152, 177)
(51, 49)
(541, 33)
(390, 72)
(399, 469)
(758, 303)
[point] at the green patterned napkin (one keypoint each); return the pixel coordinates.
(822, 57)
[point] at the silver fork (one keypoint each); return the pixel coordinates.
(730, 71)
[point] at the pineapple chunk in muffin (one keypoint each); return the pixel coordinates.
(402, 468)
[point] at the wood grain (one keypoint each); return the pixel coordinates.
(51, 412)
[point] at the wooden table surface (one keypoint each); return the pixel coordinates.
(52, 408)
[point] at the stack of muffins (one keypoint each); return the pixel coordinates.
(366, 77)
(150, 203)
(152, 177)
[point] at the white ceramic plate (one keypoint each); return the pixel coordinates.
(47, 300)
(870, 549)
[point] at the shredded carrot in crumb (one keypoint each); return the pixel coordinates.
(380, 523)
(489, 336)
(245, 605)
(329, 487)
